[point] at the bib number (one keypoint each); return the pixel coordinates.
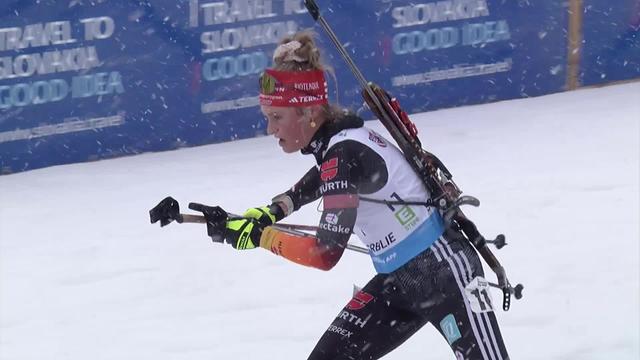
(478, 294)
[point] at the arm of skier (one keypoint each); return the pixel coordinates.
(302, 193)
(340, 196)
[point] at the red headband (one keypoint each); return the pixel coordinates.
(293, 88)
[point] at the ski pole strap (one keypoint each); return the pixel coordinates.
(506, 299)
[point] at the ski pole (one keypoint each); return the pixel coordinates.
(517, 290)
(168, 210)
(199, 219)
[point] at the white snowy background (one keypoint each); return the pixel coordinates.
(83, 275)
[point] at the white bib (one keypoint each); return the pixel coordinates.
(393, 234)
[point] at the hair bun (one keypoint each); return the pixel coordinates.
(287, 52)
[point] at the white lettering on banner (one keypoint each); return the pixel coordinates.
(432, 39)
(41, 92)
(62, 128)
(294, 7)
(194, 13)
(229, 66)
(487, 32)
(96, 84)
(246, 36)
(454, 73)
(20, 64)
(35, 35)
(419, 14)
(224, 12)
(446, 37)
(49, 62)
(229, 104)
(98, 28)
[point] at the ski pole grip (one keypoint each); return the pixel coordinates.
(195, 219)
(313, 9)
(517, 291)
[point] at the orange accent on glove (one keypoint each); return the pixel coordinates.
(298, 247)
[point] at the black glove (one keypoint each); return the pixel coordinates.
(166, 211)
(240, 233)
(216, 219)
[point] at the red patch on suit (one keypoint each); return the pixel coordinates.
(341, 201)
(360, 300)
(329, 169)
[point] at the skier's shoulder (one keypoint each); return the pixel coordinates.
(346, 126)
(361, 137)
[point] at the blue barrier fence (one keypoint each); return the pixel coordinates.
(611, 31)
(83, 81)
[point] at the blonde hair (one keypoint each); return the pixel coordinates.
(306, 53)
(299, 52)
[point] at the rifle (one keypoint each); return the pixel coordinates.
(433, 173)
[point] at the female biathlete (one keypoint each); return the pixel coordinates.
(422, 267)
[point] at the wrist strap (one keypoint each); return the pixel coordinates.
(285, 203)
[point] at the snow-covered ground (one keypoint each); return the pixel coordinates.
(83, 275)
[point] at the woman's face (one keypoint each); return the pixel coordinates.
(289, 125)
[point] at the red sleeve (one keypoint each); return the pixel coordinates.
(298, 247)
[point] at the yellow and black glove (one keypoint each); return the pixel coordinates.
(245, 233)
(265, 215)
(242, 233)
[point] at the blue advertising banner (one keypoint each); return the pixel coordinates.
(436, 54)
(611, 31)
(84, 80)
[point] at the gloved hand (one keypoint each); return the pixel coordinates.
(240, 233)
(216, 220)
(262, 214)
(244, 234)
